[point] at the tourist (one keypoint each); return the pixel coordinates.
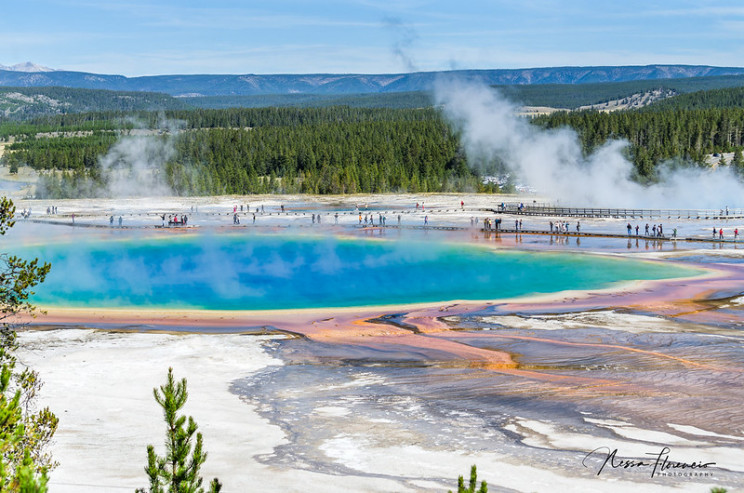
(720, 234)
(646, 229)
(551, 226)
(120, 221)
(254, 218)
(335, 216)
(630, 228)
(674, 233)
(637, 228)
(111, 220)
(398, 219)
(736, 234)
(714, 232)
(520, 225)
(426, 219)
(578, 226)
(653, 230)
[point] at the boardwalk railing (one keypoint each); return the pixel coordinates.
(546, 210)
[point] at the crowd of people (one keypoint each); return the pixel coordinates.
(176, 220)
(719, 233)
(563, 227)
(655, 231)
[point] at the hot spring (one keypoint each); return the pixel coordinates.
(260, 272)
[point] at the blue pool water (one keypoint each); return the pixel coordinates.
(238, 272)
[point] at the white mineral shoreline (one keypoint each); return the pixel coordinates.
(100, 386)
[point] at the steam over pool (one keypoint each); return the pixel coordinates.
(238, 272)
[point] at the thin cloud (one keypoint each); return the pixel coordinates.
(221, 18)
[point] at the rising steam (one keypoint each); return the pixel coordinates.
(135, 166)
(552, 160)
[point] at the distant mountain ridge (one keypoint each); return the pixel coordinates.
(251, 84)
(26, 67)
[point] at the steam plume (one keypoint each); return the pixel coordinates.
(135, 165)
(552, 160)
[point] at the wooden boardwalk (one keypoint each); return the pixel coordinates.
(590, 212)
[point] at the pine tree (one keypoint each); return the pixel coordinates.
(178, 470)
(23, 434)
(473, 483)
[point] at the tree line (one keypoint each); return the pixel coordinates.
(273, 151)
(343, 149)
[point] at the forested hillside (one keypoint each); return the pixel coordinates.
(23, 103)
(20, 103)
(417, 99)
(342, 149)
(572, 96)
(719, 98)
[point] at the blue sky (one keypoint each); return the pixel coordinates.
(138, 37)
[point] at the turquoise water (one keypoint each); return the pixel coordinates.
(237, 272)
